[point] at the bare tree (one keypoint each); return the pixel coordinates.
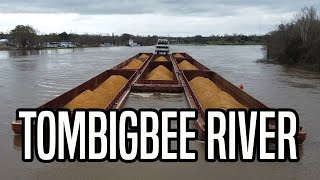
(306, 20)
(297, 42)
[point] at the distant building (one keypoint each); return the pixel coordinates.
(106, 44)
(131, 43)
(60, 44)
(52, 44)
(4, 42)
(67, 44)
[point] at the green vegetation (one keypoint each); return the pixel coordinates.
(234, 43)
(24, 36)
(235, 39)
(298, 42)
(29, 38)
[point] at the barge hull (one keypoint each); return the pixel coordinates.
(137, 83)
(228, 87)
(61, 101)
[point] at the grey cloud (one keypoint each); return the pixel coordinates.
(210, 8)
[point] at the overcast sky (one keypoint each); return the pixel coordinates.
(150, 17)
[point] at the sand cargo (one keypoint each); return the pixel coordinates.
(148, 72)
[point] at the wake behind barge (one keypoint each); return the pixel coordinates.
(180, 83)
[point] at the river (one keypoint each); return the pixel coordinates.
(31, 78)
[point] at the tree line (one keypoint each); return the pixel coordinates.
(234, 39)
(297, 42)
(25, 36)
(28, 37)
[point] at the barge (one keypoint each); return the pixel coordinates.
(138, 80)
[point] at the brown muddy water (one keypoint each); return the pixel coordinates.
(31, 78)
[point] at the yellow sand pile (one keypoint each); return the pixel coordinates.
(87, 99)
(111, 87)
(185, 65)
(160, 73)
(144, 56)
(161, 59)
(178, 55)
(134, 64)
(211, 96)
(101, 96)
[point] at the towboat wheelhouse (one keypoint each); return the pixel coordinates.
(162, 46)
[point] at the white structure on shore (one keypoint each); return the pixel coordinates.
(67, 44)
(60, 44)
(131, 43)
(52, 44)
(4, 42)
(106, 45)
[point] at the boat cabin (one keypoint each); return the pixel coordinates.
(162, 46)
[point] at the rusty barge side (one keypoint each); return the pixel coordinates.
(223, 84)
(60, 101)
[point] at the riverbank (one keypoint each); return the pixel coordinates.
(6, 48)
(307, 67)
(234, 43)
(297, 43)
(222, 43)
(13, 48)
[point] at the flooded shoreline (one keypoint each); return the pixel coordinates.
(299, 67)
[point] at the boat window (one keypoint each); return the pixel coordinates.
(163, 42)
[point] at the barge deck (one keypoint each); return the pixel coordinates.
(180, 83)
